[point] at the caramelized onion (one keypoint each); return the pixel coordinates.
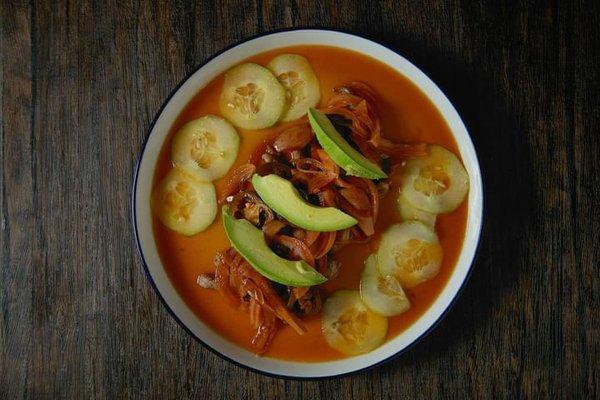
(364, 217)
(327, 198)
(309, 165)
(313, 174)
(327, 162)
(370, 189)
(310, 237)
(356, 197)
(323, 244)
(274, 167)
(238, 178)
(359, 89)
(298, 250)
(295, 293)
(313, 181)
(265, 323)
(310, 303)
(222, 276)
(249, 206)
(294, 137)
(272, 228)
(398, 151)
(368, 150)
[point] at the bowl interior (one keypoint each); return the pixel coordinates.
(143, 222)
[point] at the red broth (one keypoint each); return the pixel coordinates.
(406, 115)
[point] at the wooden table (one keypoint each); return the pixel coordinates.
(80, 83)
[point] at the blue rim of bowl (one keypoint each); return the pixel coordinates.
(184, 326)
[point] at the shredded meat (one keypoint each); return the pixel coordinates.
(308, 299)
(245, 287)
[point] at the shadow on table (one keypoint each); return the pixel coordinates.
(482, 101)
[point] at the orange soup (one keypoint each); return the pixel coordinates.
(406, 115)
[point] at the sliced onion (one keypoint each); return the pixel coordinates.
(238, 178)
(295, 137)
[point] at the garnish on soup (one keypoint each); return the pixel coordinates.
(325, 182)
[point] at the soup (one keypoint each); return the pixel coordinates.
(405, 115)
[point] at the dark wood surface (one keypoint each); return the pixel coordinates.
(80, 83)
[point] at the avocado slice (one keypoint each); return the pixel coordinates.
(340, 151)
(250, 242)
(281, 196)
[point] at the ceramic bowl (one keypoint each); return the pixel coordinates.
(142, 220)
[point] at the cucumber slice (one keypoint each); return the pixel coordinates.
(383, 294)
(300, 82)
(436, 183)
(410, 213)
(349, 326)
(410, 252)
(251, 98)
(184, 203)
(206, 146)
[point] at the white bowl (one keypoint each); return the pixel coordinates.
(142, 221)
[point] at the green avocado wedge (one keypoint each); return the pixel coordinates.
(283, 198)
(250, 242)
(340, 151)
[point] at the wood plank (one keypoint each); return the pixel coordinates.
(582, 286)
(18, 222)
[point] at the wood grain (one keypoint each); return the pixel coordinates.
(79, 84)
